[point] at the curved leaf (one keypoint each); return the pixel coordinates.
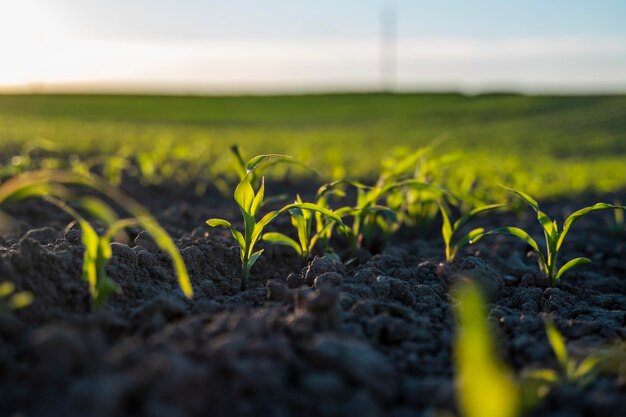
(20, 300)
(6, 288)
(547, 375)
(586, 367)
(471, 237)
(254, 162)
(478, 210)
(166, 244)
(258, 198)
(98, 209)
(281, 239)
(580, 213)
(56, 177)
(519, 233)
(446, 227)
(219, 222)
(244, 195)
(260, 225)
(486, 386)
(528, 199)
(571, 264)
(252, 260)
(223, 223)
(558, 344)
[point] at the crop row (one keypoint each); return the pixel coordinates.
(394, 200)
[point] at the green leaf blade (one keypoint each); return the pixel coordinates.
(574, 217)
(557, 342)
(281, 239)
(571, 264)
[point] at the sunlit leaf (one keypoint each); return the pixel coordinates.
(486, 387)
(478, 210)
(6, 288)
(528, 199)
(258, 198)
(521, 234)
(254, 162)
(253, 258)
(558, 344)
(55, 178)
(471, 237)
(98, 209)
(20, 300)
(571, 264)
(574, 217)
(547, 375)
(244, 195)
(281, 239)
(446, 228)
(586, 367)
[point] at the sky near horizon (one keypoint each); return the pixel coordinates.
(193, 46)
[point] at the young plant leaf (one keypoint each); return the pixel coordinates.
(558, 344)
(6, 288)
(478, 210)
(98, 209)
(528, 199)
(486, 387)
(20, 300)
(519, 233)
(223, 223)
(574, 217)
(281, 239)
(258, 198)
(571, 264)
(255, 161)
(253, 258)
(244, 195)
(446, 227)
(52, 181)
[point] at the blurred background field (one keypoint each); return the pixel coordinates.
(546, 145)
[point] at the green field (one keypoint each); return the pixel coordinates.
(545, 145)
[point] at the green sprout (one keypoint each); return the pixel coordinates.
(370, 217)
(537, 383)
(486, 386)
(97, 248)
(11, 300)
(553, 236)
(302, 219)
(249, 203)
(450, 231)
(51, 185)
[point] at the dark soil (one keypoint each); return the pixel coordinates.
(371, 338)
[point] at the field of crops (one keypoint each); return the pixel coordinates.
(322, 255)
(544, 145)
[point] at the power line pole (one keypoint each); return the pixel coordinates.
(388, 41)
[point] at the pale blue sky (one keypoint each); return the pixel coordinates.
(204, 46)
(344, 18)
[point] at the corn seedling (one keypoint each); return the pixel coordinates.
(249, 203)
(254, 175)
(372, 218)
(553, 236)
(450, 231)
(302, 219)
(486, 387)
(52, 186)
(11, 300)
(369, 217)
(537, 383)
(97, 248)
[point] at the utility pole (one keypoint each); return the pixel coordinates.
(388, 40)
